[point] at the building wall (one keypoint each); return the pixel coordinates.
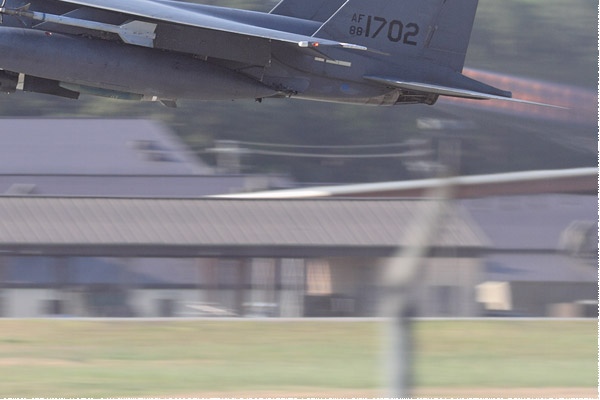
(448, 288)
(341, 287)
(536, 299)
(266, 287)
(337, 286)
(293, 288)
(31, 303)
(445, 286)
(165, 302)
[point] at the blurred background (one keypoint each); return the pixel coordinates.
(535, 230)
(103, 213)
(541, 50)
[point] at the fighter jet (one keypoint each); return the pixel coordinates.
(376, 52)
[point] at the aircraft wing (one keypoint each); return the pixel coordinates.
(170, 13)
(450, 91)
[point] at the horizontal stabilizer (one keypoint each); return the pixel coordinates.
(450, 91)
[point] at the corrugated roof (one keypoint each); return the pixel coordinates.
(130, 185)
(194, 226)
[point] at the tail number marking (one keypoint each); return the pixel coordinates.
(375, 26)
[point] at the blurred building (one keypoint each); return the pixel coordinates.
(176, 257)
(288, 258)
(116, 158)
(544, 255)
(104, 218)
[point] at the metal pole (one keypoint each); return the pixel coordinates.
(401, 275)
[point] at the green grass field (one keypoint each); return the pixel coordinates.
(62, 358)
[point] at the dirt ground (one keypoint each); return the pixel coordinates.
(545, 393)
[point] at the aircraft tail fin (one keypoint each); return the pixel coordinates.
(438, 30)
(314, 10)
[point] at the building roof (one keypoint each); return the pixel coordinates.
(531, 222)
(527, 235)
(209, 227)
(108, 157)
(93, 146)
(133, 185)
